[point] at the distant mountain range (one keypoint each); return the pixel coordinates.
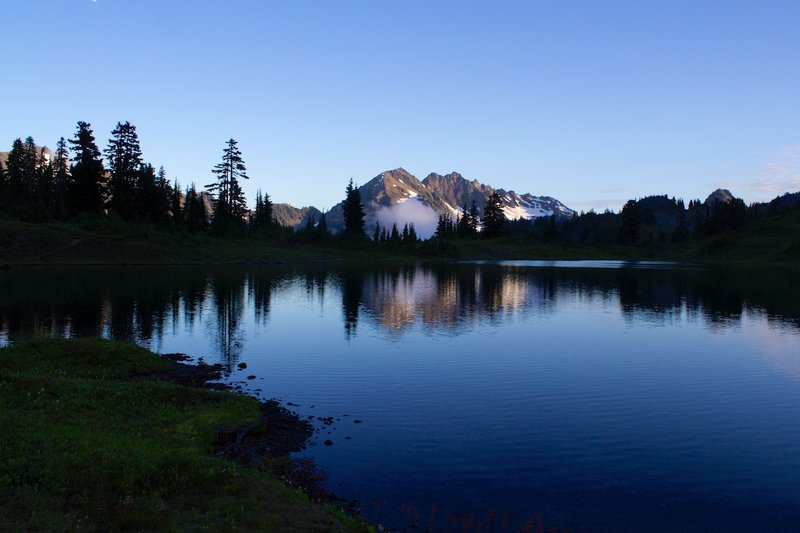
(398, 197)
(294, 217)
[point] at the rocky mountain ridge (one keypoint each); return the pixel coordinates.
(398, 197)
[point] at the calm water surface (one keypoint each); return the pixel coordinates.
(599, 396)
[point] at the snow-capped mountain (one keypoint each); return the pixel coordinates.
(396, 196)
(455, 191)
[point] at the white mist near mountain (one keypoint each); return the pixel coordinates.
(411, 211)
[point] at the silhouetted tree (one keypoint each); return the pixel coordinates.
(44, 189)
(3, 184)
(17, 173)
(124, 157)
(322, 229)
(353, 211)
(261, 218)
(310, 224)
(89, 186)
(231, 204)
(464, 225)
(61, 179)
(629, 231)
(445, 227)
(681, 232)
(194, 212)
(412, 234)
(494, 220)
(551, 232)
(474, 218)
(176, 208)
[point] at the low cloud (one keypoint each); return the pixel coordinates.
(779, 176)
(413, 211)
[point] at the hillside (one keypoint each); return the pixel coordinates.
(293, 217)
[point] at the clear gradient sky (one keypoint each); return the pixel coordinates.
(590, 102)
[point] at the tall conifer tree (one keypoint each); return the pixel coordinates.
(124, 157)
(353, 211)
(494, 220)
(176, 209)
(89, 187)
(61, 179)
(15, 173)
(231, 204)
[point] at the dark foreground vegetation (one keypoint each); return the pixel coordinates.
(105, 436)
(96, 240)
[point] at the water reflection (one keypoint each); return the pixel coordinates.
(142, 304)
(592, 395)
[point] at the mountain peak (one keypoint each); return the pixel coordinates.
(397, 197)
(720, 195)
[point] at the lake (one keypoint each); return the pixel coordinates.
(602, 396)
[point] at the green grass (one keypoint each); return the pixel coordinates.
(86, 444)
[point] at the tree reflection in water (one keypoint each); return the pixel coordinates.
(141, 304)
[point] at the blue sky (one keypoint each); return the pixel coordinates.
(590, 102)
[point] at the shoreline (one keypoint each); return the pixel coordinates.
(278, 433)
(158, 443)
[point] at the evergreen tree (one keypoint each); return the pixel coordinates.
(445, 227)
(395, 236)
(494, 220)
(681, 232)
(27, 183)
(376, 236)
(194, 212)
(124, 157)
(322, 228)
(629, 231)
(30, 171)
(404, 236)
(45, 189)
(551, 232)
(231, 204)
(310, 224)
(176, 209)
(412, 234)
(353, 211)
(262, 215)
(16, 173)
(464, 225)
(3, 184)
(146, 192)
(474, 218)
(162, 200)
(61, 179)
(89, 187)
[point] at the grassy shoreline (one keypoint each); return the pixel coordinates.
(102, 435)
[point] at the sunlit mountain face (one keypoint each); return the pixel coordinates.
(398, 197)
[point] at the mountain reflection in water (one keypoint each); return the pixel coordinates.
(140, 303)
